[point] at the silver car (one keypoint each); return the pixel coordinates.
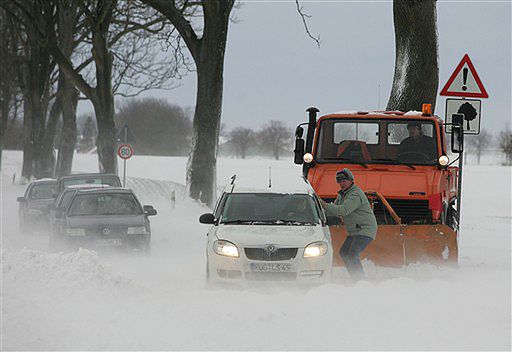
(268, 233)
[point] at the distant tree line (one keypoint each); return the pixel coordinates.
(273, 139)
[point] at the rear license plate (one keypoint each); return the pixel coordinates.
(109, 242)
(270, 267)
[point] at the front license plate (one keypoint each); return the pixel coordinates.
(270, 267)
(109, 242)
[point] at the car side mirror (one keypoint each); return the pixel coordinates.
(59, 214)
(207, 218)
(149, 210)
(21, 199)
(333, 221)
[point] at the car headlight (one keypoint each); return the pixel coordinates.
(137, 230)
(225, 248)
(75, 231)
(315, 249)
(35, 212)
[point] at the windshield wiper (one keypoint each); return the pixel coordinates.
(396, 162)
(230, 222)
(285, 222)
(349, 161)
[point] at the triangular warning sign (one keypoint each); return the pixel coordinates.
(464, 82)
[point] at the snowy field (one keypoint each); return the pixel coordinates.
(96, 301)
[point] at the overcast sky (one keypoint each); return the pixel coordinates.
(274, 71)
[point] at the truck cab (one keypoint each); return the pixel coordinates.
(401, 162)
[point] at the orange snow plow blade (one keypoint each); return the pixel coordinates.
(398, 245)
(386, 250)
(436, 244)
(401, 244)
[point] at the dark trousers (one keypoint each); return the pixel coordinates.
(350, 252)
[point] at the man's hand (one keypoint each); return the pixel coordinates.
(322, 203)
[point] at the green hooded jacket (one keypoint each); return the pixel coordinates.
(353, 206)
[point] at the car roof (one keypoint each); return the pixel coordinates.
(44, 181)
(87, 186)
(283, 185)
(97, 174)
(104, 190)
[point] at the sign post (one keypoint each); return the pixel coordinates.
(463, 115)
(125, 152)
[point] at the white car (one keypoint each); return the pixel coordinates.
(271, 232)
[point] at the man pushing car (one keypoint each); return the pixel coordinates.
(353, 207)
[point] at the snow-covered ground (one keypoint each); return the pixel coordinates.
(86, 300)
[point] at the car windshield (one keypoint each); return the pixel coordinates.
(43, 191)
(380, 142)
(65, 198)
(105, 204)
(270, 208)
(96, 180)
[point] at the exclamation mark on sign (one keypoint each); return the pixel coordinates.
(464, 78)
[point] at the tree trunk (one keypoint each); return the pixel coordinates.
(416, 75)
(68, 138)
(104, 104)
(202, 162)
(26, 169)
(49, 135)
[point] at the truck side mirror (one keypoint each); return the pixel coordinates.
(457, 136)
(20, 199)
(298, 151)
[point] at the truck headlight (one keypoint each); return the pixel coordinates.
(137, 230)
(75, 231)
(315, 249)
(443, 160)
(35, 212)
(308, 158)
(225, 248)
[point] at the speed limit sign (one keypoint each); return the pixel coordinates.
(125, 151)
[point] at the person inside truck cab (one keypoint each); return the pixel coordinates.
(416, 147)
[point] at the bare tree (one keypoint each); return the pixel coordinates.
(505, 144)
(275, 137)
(10, 86)
(121, 64)
(416, 75)
(207, 49)
(479, 143)
(36, 69)
(241, 139)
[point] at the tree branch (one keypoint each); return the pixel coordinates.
(303, 15)
(168, 9)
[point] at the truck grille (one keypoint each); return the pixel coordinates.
(278, 254)
(409, 210)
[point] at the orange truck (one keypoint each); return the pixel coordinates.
(412, 186)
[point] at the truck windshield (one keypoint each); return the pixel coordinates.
(270, 208)
(379, 142)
